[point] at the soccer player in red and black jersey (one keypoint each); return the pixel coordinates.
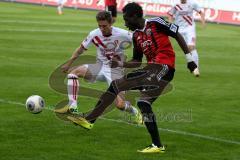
(111, 6)
(150, 38)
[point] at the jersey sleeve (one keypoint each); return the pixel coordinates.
(127, 35)
(137, 53)
(87, 42)
(163, 26)
(196, 7)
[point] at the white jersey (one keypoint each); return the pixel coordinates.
(183, 14)
(109, 47)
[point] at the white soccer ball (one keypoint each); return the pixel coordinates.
(35, 104)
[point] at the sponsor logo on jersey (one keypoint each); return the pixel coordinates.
(146, 43)
(107, 39)
(148, 31)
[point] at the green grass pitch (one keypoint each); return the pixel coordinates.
(199, 118)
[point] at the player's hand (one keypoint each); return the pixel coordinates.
(65, 68)
(193, 68)
(191, 65)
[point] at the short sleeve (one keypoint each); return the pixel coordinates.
(88, 40)
(163, 26)
(128, 35)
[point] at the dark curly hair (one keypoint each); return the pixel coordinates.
(132, 9)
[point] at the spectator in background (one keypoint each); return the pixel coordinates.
(60, 4)
(111, 6)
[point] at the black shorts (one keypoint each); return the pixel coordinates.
(152, 81)
(113, 10)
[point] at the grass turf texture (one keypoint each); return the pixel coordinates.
(34, 40)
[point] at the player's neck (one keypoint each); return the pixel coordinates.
(141, 23)
(183, 2)
(108, 34)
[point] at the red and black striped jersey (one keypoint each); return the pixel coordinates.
(153, 41)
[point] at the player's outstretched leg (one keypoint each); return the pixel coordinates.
(73, 88)
(105, 100)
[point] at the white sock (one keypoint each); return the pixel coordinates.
(73, 87)
(195, 57)
(130, 109)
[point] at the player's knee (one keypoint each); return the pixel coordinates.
(79, 71)
(72, 76)
(144, 106)
(146, 110)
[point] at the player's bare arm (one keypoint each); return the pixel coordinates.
(202, 15)
(130, 64)
(74, 56)
(170, 18)
(179, 38)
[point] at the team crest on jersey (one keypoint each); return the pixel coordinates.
(110, 46)
(148, 31)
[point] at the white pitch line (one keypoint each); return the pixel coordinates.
(161, 129)
(181, 132)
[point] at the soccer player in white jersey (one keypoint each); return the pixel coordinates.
(60, 4)
(182, 14)
(110, 42)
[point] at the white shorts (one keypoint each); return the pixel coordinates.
(189, 35)
(99, 72)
